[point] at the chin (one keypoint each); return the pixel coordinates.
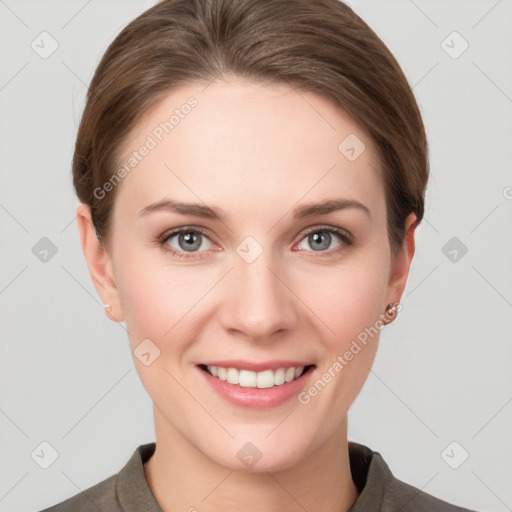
(256, 454)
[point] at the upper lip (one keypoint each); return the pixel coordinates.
(257, 367)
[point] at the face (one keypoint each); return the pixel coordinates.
(252, 278)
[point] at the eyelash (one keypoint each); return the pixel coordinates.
(165, 237)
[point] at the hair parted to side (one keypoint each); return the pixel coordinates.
(319, 46)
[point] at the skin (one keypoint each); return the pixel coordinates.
(256, 152)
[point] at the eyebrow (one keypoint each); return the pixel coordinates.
(300, 212)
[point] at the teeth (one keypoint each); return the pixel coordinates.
(232, 375)
(279, 377)
(289, 374)
(248, 379)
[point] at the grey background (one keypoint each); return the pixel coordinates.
(443, 369)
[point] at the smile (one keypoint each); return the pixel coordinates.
(250, 379)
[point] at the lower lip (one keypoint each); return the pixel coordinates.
(257, 398)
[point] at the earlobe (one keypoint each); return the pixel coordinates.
(98, 262)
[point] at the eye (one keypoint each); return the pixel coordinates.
(191, 242)
(184, 242)
(321, 239)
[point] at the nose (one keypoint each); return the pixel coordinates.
(258, 301)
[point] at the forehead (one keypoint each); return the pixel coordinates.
(247, 145)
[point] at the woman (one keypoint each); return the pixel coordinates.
(251, 174)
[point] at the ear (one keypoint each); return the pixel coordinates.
(98, 262)
(401, 263)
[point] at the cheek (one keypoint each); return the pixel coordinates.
(143, 293)
(347, 299)
(160, 301)
(157, 303)
(350, 306)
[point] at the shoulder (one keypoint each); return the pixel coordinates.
(118, 492)
(381, 490)
(412, 499)
(101, 496)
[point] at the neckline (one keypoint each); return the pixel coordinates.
(369, 472)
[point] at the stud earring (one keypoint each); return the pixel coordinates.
(107, 307)
(392, 308)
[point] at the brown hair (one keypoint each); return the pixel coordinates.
(320, 46)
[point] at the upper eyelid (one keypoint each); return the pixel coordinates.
(327, 227)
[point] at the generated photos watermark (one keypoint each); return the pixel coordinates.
(156, 136)
(341, 361)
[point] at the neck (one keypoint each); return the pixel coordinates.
(182, 478)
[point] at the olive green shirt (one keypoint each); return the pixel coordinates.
(128, 490)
